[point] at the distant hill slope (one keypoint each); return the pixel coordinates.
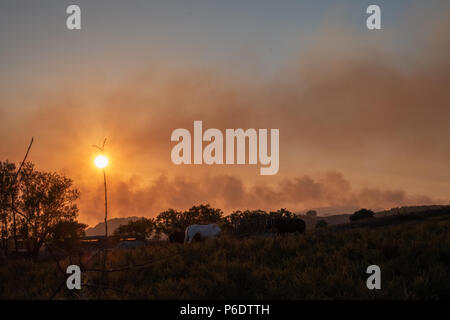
(398, 216)
(412, 209)
(337, 210)
(331, 220)
(113, 224)
(337, 219)
(331, 211)
(332, 215)
(344, 218)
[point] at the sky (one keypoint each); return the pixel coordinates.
(363, 115)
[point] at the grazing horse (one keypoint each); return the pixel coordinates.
(286, 225)
(202, 231)
(177, 236)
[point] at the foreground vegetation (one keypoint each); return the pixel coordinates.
(329, 263)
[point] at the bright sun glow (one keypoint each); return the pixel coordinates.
(101, 162)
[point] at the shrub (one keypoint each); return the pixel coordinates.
(321, 224)
(140, 229)
(361, 214)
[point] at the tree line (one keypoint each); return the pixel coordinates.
(238, 222)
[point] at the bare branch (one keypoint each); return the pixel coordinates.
(97, 147)
(23, 161)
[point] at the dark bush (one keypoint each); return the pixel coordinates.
(140, 229)
(361, 214)
(321, 224)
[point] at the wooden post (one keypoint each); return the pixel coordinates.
(106, 243)
(106, 206)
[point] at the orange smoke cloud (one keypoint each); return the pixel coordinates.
(363, 113)
(232, 193)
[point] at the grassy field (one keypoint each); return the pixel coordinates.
(414, 257)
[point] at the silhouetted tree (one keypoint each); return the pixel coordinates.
(247, 221)
(311, 213)
(202, 214)
(362, 214)
(46, 198)
(140, 229)
(8, 194)
(171, 220)
(66, 235)
(282, 213)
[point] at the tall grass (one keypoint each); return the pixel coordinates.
(414, 258)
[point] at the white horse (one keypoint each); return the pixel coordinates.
(203, 230)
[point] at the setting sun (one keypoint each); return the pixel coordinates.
(101, 162)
